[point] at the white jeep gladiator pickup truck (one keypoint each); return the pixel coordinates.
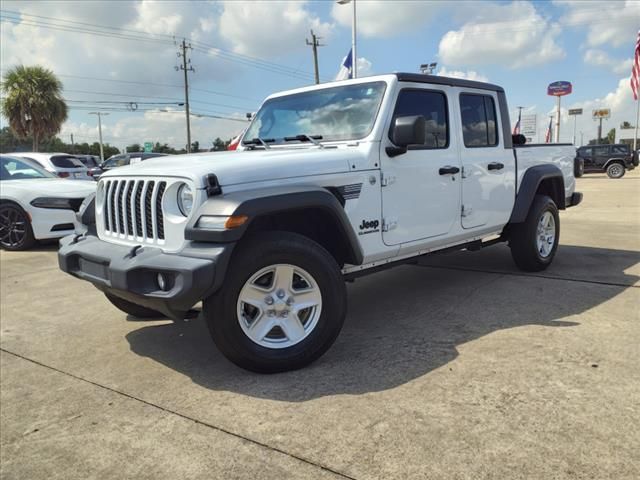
(331, 182)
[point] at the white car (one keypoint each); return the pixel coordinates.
(61, 165)
(35, 204)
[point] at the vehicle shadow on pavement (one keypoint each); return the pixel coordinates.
(409, 321)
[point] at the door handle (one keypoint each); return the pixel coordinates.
(496, 166)
(448, 170)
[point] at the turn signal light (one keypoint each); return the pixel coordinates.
(235, 221)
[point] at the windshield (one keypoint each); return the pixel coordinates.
(332, 114)
(12, 168)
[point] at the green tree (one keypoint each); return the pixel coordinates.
(611, 136)
(220, 145)
(134, 147)
(32, 103)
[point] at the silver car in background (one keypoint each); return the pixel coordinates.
(61, 165)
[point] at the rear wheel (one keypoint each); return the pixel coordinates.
(535, 241)
(282, 305)
(15, 228)
(578, 168)
(132, 309)
(615, 170)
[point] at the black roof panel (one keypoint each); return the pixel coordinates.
(453, 82)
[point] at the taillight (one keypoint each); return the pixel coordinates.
(63, 174)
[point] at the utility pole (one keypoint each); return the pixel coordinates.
(314, 42)
(99, 114)
(184, 46)
(73, 147)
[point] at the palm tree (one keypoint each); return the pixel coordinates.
(32, 102)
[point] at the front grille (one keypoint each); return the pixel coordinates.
(134, 206)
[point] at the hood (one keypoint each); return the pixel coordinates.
(58, 187)
(246, 166)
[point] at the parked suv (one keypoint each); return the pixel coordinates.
(615, 160)
(61, 165)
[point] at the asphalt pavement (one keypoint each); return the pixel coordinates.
(461, 367)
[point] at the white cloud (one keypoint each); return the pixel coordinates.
(269, 29)
(469, 74)
(382, 18)
(614, 22)
(600, 58)
(520, 38)
(364, 67)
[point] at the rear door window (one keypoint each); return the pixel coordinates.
(478, 120)
(601, 151)
(65, 161)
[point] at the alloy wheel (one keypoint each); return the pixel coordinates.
(279, 306)
(546, 234)
(13, 227)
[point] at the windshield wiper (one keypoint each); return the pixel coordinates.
(260, 141)
(303, 137)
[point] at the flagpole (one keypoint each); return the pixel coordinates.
(635, 137)
(354, 57)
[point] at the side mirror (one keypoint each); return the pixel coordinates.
(519, 139)
(406, 131)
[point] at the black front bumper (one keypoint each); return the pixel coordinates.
(573, 200)
(130, 273)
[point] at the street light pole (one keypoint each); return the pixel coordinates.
(99, 114)
(354, 56)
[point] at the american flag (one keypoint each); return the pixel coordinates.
(547, 138)
(635, 71)
(516, 129)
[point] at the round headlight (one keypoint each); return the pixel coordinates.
(185, 199)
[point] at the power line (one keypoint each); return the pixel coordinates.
(158, 97)
(213, 92)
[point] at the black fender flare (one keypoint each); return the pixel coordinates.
(531, 180)
(271, 200)
(614, 160)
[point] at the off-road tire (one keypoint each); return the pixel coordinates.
(522, 239)
(261, 251)
(616, 170)
(132, 309)
(12, 213)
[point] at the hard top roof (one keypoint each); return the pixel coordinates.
(453, 82)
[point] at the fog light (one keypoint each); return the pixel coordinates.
(162, 282)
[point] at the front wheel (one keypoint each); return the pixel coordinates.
(535, 241)
(615, 170)
(578, 168)
(282, 305)
(15, 228)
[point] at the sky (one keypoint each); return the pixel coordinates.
(120, 57)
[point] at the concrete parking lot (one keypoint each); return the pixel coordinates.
(460, 368)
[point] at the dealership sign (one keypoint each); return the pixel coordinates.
(601, 113)
(559, 89)
(575, 111)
